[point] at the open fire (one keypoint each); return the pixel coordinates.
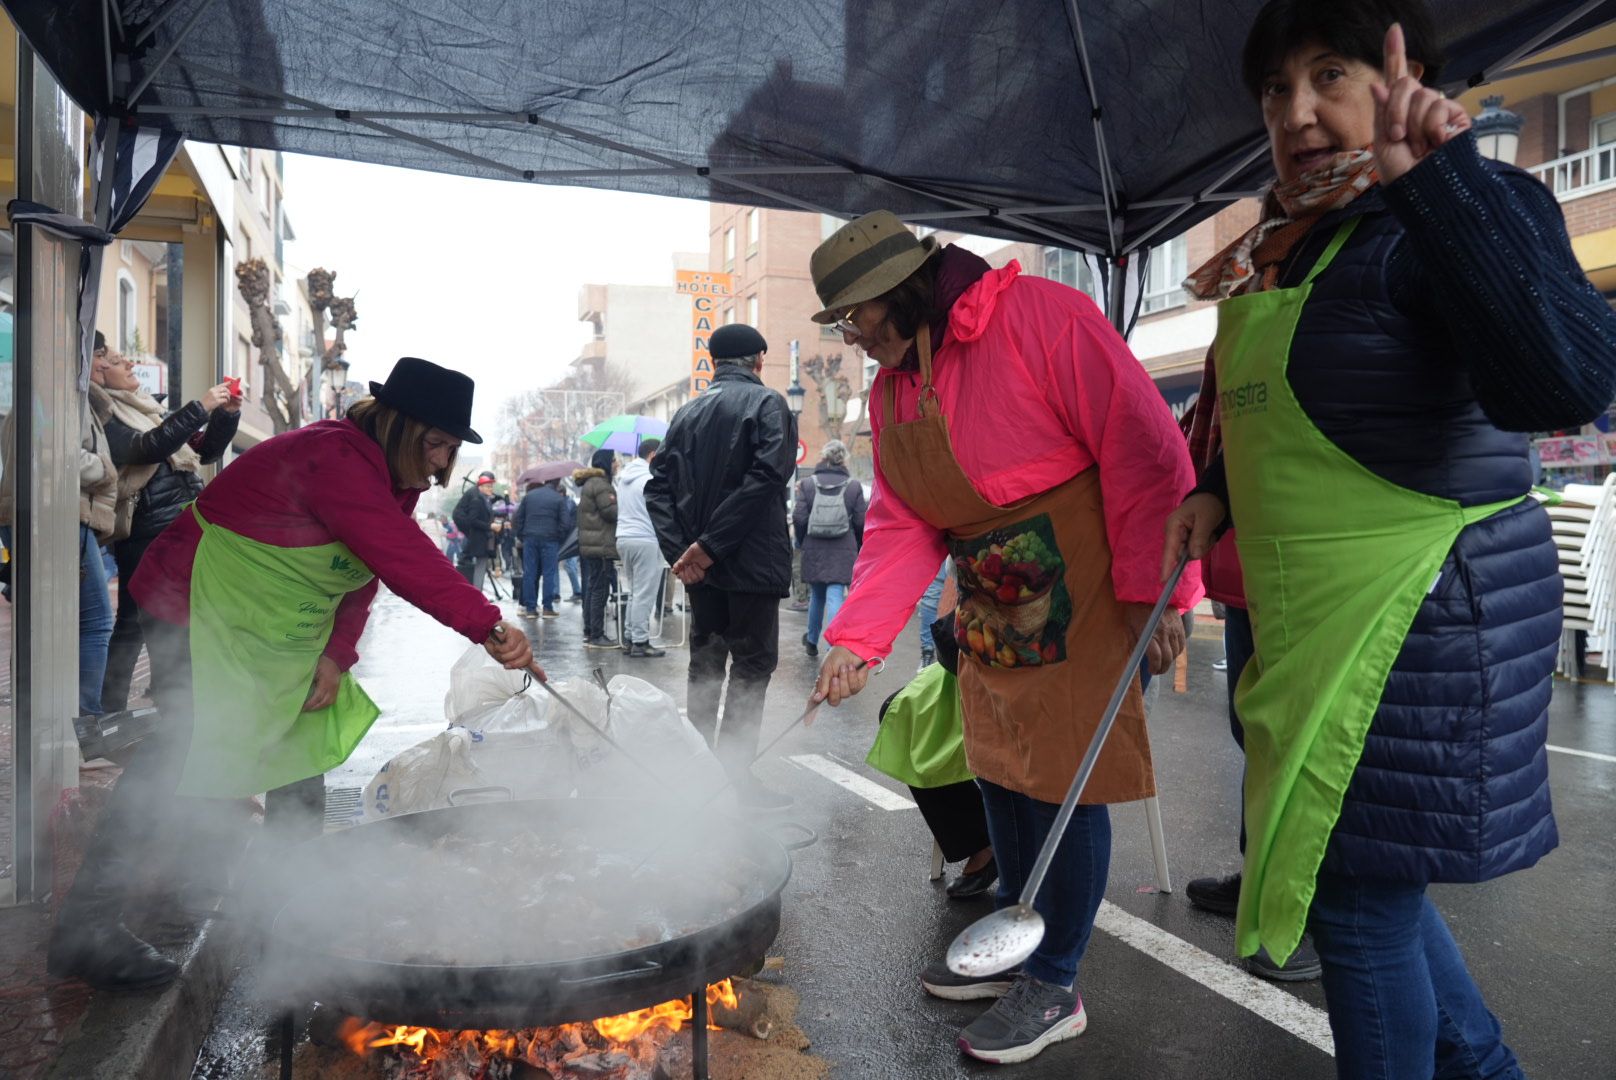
(625, 1047)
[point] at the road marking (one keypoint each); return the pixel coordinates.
(1282, 1010)
(1582, 753)
(864, 788)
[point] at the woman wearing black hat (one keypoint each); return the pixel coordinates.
(253, 603)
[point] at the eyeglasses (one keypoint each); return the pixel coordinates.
(846, 324)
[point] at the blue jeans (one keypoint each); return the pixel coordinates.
(1397, 990)
(571, 566)
(539, 559)
(1018, 825)
(824, 601)
(95, 622)
(928, 607)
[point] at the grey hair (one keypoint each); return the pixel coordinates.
(835, 452)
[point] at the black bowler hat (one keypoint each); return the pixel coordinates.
(735, 341)
(434, 395)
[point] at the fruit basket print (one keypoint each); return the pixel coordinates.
(1014, 607)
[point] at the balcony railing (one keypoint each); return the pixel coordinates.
(1579, 174)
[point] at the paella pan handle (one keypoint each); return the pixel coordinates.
(647, 968)
(510, 796)
(807, 837)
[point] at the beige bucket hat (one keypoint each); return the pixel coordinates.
(863, 259)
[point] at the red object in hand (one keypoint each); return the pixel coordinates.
(234, 385)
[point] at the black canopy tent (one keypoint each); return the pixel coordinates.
(1101, 125)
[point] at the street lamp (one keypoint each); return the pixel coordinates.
(1498, 131)
(794, 397)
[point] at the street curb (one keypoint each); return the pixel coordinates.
(155, 1036)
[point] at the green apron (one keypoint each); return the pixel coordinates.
(261, 617)
(1337, 561)
(922, 736)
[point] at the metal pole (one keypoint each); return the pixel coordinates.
(698, 1034)
(1118, 298)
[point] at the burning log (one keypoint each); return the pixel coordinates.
(748, 1014)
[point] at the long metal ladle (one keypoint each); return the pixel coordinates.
(1005, 938)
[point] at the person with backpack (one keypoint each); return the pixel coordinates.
(829, 522)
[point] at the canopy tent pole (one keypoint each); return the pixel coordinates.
(1532, 45)
(168, 52)
(152, 25)
(106, 46)
(1108, 188)
(1257, 151)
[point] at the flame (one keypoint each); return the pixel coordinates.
(362, 1037)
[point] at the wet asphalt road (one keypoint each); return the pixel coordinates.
(861, 918)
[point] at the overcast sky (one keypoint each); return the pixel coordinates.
(479, 275)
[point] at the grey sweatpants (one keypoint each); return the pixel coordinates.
(642, 561)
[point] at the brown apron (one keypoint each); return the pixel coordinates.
(1041, 633)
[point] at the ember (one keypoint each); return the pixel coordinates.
(626, 1047)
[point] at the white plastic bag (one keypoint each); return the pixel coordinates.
(500, 736)
(646, 723)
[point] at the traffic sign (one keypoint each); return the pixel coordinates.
(802, 451)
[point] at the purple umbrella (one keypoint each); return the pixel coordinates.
(543, 474)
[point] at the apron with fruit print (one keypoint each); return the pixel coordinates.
(1041, 633)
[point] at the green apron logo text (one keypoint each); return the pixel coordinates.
(1244, 400)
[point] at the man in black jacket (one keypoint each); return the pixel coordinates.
(542, 521)
(717, 496)
(474, 516)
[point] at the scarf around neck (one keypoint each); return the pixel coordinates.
(1289, 211)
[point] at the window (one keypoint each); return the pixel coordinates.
(266, 198)
(729, 315)
(244, 170)
(127, 327)
(752, 310)
(1071, 269)
(1164, 276)
(243, 358)
(752, 229)
(729, 249)
(829, 224)
(1603, 139)
(246, 247)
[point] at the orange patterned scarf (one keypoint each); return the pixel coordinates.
(1289, 210)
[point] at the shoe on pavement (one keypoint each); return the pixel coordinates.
(811, 648)
(550, 613)
(1218, 895)
(974, 885)
(1033, 1015)
(938, 981)
(575, 599)
(754, 796)
(646, 649)
(527, 613)
(1221, 665)
(1303, 966)
(107, 956)
(600, 641)
(928, 657)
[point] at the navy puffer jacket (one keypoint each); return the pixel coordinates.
(1453, 782)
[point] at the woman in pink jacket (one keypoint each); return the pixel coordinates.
(253, 602)
(1016, 434)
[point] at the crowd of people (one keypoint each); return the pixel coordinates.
(1393, 601)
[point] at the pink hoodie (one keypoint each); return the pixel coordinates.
(1037, 387)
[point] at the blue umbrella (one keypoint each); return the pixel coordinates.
(623, 433)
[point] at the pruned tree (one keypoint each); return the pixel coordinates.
(341, 314)
(834, 392)
(281, 398)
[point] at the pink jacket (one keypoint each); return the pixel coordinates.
(325, 482)
(1037, 387)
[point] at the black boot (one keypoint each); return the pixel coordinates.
(645, 649)
(90, 942)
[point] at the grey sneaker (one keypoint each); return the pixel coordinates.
(1032, 1016)
(939, 981)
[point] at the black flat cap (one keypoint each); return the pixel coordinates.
(735, 341)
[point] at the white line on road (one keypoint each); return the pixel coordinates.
(1582, 753)
(866, 789)
(1224, 979)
